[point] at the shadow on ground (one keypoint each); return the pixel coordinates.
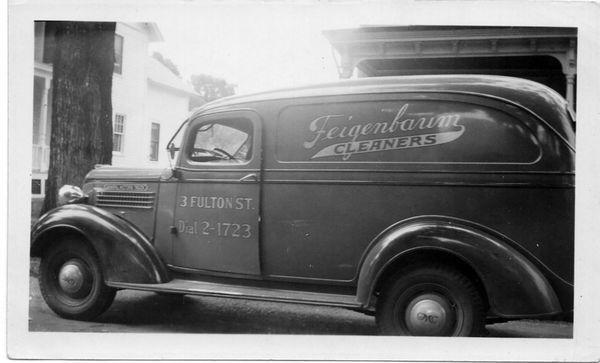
(138, 311)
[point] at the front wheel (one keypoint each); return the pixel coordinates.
(71, 281)
(430, 301)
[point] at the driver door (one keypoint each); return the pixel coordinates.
(216, 217)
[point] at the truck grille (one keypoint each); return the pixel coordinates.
(119, 199)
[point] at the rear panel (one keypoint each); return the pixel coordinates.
(340, 170)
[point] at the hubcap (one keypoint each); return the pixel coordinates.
(429, 314)
(73, 278)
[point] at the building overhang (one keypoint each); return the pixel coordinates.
(363, 48)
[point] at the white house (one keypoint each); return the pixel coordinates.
(149, 101)
(166, 104)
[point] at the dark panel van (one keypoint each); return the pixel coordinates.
(435, 203)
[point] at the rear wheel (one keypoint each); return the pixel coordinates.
(430, 301)
(71, 281)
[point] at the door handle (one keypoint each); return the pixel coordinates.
(250, 178)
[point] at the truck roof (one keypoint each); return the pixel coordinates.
(536, 98)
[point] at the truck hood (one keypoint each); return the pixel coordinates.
(121, 173)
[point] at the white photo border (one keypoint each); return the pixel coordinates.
(585, 345)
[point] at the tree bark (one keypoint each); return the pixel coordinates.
(81, 134)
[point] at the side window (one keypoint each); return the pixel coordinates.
(223, 141)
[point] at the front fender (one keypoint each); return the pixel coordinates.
(515, 287)
(125, 254)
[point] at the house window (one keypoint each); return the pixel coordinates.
(39, 83)
(118, 133)
(38, 50)
(44, 41)
(36, 186)
(154, 139)
(118, 54)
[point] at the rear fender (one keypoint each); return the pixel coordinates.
(125, 254)
(515, 287)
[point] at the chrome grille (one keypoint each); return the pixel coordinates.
(122, 199)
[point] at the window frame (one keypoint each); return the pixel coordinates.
(252, 164)
(223, 122)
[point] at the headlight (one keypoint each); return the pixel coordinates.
(69, 194)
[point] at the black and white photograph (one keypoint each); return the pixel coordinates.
(303, 180)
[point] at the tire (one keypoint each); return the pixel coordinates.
(430, 301)
(71, 281)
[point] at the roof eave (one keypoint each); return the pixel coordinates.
(171, 88)
(154, 34)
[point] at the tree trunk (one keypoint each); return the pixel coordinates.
(81, 133)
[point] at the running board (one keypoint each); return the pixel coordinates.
(190, 287)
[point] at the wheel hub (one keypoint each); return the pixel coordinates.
(429, 314)
(73, 278)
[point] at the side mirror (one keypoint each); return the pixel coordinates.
(172, 150)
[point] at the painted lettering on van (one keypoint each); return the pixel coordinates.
(347, 149)
(447, 125)
(215, 202)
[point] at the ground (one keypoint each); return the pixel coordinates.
(135, 311)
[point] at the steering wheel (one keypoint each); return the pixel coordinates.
(210, 152)
(224, 153)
